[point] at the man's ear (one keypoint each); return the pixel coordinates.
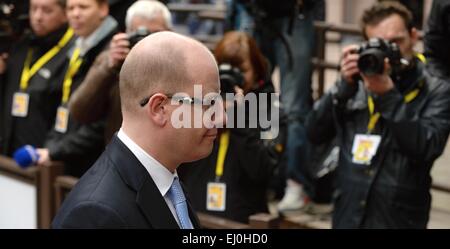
(156, 110)
(414, 36)
(104, 9)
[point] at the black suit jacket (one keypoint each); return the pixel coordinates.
(117, 192)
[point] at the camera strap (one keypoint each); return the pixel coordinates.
(407, 98)
(28, 72)
(375, 116)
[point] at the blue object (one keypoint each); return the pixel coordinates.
(176, 196)
(26, 156)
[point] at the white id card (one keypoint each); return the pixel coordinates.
(364, 148)
(20, 104)
(216, 196)
(62, 119)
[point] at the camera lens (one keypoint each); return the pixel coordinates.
(371, 62)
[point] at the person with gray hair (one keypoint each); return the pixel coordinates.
(98, 95)
(134, 184)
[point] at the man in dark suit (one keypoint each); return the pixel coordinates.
(134, 184)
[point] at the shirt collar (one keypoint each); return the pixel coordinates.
(162, 177)
(87, 43)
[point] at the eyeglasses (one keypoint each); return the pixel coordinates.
(187, 100)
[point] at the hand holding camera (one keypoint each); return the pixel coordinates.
(121, 45)
(118, 50)
(376, 60)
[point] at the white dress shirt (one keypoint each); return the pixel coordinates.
(162, 177)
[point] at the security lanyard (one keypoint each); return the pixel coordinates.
(74, 65)
(223, 147)
(28, 72)
(407, 99)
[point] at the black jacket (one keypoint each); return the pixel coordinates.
(393, 191)
(437, 38)
(117, 192)
(82, 144)
(44, 89)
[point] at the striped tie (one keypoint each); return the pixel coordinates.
(176, 196)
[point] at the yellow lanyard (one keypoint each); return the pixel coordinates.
(223, 147)
(74, 65)
(28, 72)
(375, 116)
(408, 98)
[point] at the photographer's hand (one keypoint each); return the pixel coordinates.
(118, 50)
(3, 58)
(381, 83)
(349, 63)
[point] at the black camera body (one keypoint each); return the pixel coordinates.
(372, 54)
(229, 77)
(139, 34)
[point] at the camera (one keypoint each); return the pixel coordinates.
(229, 77)
(139, 34)
(372, 54)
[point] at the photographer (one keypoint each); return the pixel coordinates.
(98, 95)
(392, 121)
(31, 77)
(232, 182)
(284, 31)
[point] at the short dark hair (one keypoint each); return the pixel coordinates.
(381, 11)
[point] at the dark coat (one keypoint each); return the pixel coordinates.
(45, 93)
(117, 192)
(394, 190)
(81, 145)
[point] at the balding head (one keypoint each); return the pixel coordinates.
(160, 66)
(164, 62)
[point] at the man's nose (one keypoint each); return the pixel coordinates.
(220, 117)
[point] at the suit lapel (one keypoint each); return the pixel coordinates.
(148, 197)
(154, 207)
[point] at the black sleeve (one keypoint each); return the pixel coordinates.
(256, 159)
(90, 215)
(423, 138)
(76, 143)
(321, 124)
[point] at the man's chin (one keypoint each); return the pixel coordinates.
(200, 154)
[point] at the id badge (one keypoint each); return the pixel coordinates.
(20, 104)
(364, 148)
(216, 196)
(62, 119)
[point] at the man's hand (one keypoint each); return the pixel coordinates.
(118, 50)
(349, 63)
(380, 83)
(44, 157)
(3, 58)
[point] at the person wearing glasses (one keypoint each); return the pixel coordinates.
(134, 184)
(233, 181)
